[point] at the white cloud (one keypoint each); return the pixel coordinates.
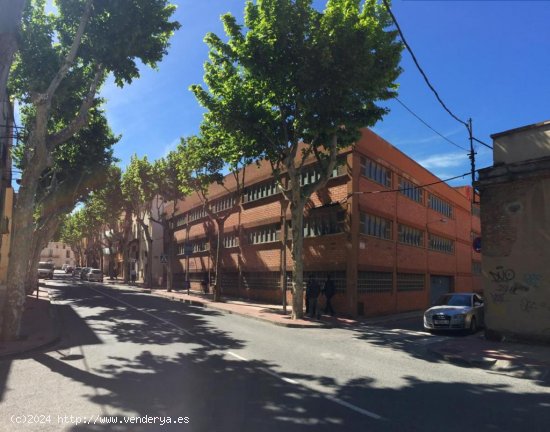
(446, 160)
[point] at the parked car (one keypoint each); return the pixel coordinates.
(45, 270)
(84, 272)
(94, 275)
(76, 271)
(455, 311)
(69, 269)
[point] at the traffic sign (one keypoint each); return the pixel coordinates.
(163, 258)
(476, 244)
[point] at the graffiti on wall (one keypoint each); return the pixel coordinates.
(507, 287)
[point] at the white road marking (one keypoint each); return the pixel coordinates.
(274, 374)
(236, 356)
(354, 407)
(170, 323)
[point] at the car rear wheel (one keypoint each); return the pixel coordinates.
(473, 325)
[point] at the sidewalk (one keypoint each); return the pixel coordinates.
(38, 328)
(521, 360)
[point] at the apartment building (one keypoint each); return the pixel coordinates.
(59, 253)
(388, 244)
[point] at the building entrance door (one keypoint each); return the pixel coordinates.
(439, 285)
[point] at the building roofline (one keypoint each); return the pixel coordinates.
(520, 129)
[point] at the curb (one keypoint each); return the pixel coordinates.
(257, 318)
(51, 342)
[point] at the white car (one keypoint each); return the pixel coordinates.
(94, 275)
(455, 311)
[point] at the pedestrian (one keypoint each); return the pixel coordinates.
(312, 293)
(133, 276)
(329, 291)
(204, 285)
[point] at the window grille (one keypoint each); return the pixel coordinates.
(328, 223)
(441, 244)
(410, 282)
(196, 214)
(375, 172)
(262, 280)
(230, 240)
(261, 190)
(375, 226)
(411, 236)
(224, 203)
(410, 190)
(265, 234)
(374, 282)
(441, 206)
(476, 267)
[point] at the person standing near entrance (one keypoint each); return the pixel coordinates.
(312, 293)
(329, 291)
(133, 276)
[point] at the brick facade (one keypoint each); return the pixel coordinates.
(384, 248)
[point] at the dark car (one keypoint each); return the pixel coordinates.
(76, 271)
(455, 311)
(84, 272)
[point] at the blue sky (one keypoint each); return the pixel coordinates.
(487, 59)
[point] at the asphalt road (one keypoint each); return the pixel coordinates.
(125, 355)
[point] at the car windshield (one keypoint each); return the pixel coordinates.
(45, 266)
(96, 271)
(454, 300)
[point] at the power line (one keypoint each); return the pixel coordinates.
(428, 126)
(482, 143)
(418, 66)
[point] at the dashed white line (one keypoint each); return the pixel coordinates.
(274, 374)
(236, 356)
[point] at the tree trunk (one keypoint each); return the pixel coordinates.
(170, 257)
(20, 259)
(10, 22)
(217, 264)
(148, 276)
(297, 216)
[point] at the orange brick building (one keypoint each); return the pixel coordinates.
(388, 245)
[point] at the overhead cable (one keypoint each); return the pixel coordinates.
(418, 66)
(428, 126)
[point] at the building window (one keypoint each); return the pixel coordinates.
(230, 240)
(443, 207)
(197, 214)
(476, 267)
(180, 220)
(411, 236)
(375, 172)
(441, 244)
(410, 282)
(67, 254)
(374, 282)
(224, 203)
(63, 246)
(312, 173)
(261, 190)
(476, 211)
(375, 226)
(328, 223)
(261, 280)
(410, 190)
(265, 234)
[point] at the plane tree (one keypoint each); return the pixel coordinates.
(62, 61)
(216, 157)
(300, 83)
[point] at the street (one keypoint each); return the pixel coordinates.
(125, 354)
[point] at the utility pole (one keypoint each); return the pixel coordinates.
(472, 154)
